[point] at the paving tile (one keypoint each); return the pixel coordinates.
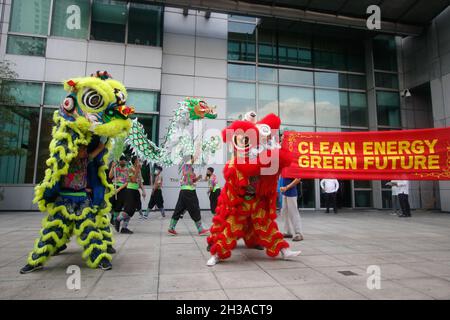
(187, 282)
(267, 293)
(194, 295)
(245, 279)
(124, 285)
(325, 291)
(298, 276)
(390, 290)
(434, 287)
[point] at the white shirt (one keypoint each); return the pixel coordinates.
(402, 186)
(329, 185)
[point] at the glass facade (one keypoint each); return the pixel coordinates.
(102, 20)
(26, 110)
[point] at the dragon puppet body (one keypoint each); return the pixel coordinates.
(247, 203)
(75, 192)
(182, 139)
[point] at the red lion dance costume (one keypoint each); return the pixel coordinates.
(247, 203)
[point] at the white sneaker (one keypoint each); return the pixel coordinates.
(212, 261)
(288, 253)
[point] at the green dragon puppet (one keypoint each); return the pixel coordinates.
(75, 192)
(181, 140)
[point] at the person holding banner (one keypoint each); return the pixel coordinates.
(403, 194)
(330, 187)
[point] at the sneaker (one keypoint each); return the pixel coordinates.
(288, 253)
(297, 237)
(126, 230)
(212, 261)
(287, 235)
(117, 225)
(29, 268)
(203, 232)
(60, 249)
(110, 250)
(105, 264)
(172, 232)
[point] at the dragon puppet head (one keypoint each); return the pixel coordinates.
(255, 144)
(97, 103)
(199, 109)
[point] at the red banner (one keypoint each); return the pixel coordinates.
(422, 154)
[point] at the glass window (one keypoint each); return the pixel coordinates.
(330, 79)
(386, 80)
(241, 99)
(144, 24)
(44, 141)
(284, 128)
(71, 18)
(27, 46)
(358, 109)
(329, 53)
(388, 107)
(109, 19)
(242, 18)
(294, 49)
(267, 74)
(22, 93)
(356, 56)
(384, 53)
(296, 77)
(363, 184)
(328, 108)
(267, 100)
(296, 106)
(363, 199)
(54, 94)
(267, 46)
(356, 82)
(143, 101)
(19, 128)
(241, 41)
(241, 71)
(30, 16)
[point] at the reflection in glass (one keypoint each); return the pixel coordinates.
(23, 93)
(294, 49)
(328, 108)
(388, 107)
(289, 76)
(18, 138)
(363, 199)
(386, 80)
(358, 109)
(27, 46)
(267, 46)
(330, 79)
(384, 53)
(267, 74)
(44, 142)
(30, 16)
(241, 99)
(268, 100)
(296, 106)
(71, 18)
(241, 41)
(109, 19)
(143, 101)
(241, 71)
(54, 94)
(144, 24)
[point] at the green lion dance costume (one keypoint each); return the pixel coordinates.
(75, 192)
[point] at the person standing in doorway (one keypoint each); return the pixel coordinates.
(330, 187)
(403, 197)
(289, 209)
(188, 200)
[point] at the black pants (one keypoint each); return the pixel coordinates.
(404, 204)
(330, 201)
(156, 200)
(132, 201)
(187, 200)
(213, 197)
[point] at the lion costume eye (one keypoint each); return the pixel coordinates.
(241, 141)
(92, 99)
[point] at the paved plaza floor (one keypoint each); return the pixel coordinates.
(413, 256)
